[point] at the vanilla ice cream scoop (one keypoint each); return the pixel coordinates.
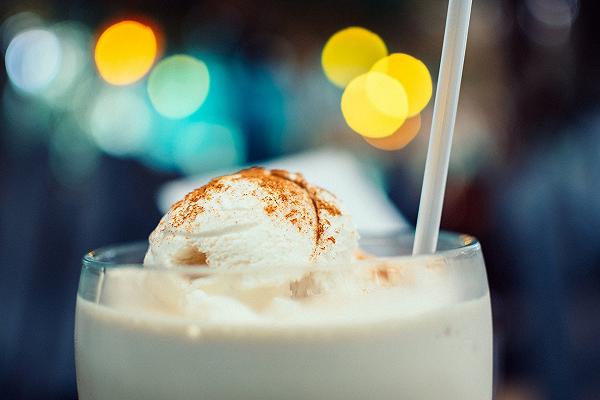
(256, 217)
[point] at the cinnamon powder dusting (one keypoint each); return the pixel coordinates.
(188, 208)
(270, 209)
(318, 203)
(282, 194)
(288, 190)
(285, 191)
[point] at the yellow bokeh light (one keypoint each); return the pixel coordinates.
(125, 52)
(350, 53)
(399, 139)
(374, 105)
(413, 75)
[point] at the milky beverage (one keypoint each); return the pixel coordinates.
(284, 307)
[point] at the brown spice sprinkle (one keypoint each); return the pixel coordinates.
(318, 203)
(390, 275)
(281, 192)
(283, 188)
(277, 181)
(191, 210)
(330, 208)
(270, 209)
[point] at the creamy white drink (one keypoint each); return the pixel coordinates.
(312, 323)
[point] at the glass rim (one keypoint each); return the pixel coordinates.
(459, 244)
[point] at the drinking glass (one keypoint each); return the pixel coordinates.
(389, 326)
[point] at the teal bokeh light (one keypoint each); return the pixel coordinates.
(178, 85)
(194, 147)
(203, 147)
(220, 104)
(158, 151)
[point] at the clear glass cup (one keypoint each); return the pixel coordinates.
(390, 327)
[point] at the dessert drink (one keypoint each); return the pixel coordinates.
(254, 287)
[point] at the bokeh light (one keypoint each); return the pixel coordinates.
(548, 22)
(120, 121)
(79, 103)
(374, 105)
(74, 40)
(159, 148)
(33, 59)
(414, 77)
(557, 13)
(399, 139)
(178, 85)
(203, 147)
(218, 105)
(350, 53)
(125, 52)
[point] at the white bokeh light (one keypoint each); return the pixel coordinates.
(119, 121)
(33, 60)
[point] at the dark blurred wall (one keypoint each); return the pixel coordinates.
(44, 232)
(548, 203)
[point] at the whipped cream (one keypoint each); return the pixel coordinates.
(256, 217)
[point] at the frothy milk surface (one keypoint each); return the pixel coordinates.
(155, 335)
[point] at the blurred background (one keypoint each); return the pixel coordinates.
(84, 151)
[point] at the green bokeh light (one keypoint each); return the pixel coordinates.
(178, 86)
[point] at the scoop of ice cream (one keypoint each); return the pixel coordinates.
(256, 217)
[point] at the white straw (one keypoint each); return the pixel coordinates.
(442, 127)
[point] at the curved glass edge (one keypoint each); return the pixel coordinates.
(105, 256)
(452, 246)
(461, 257)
